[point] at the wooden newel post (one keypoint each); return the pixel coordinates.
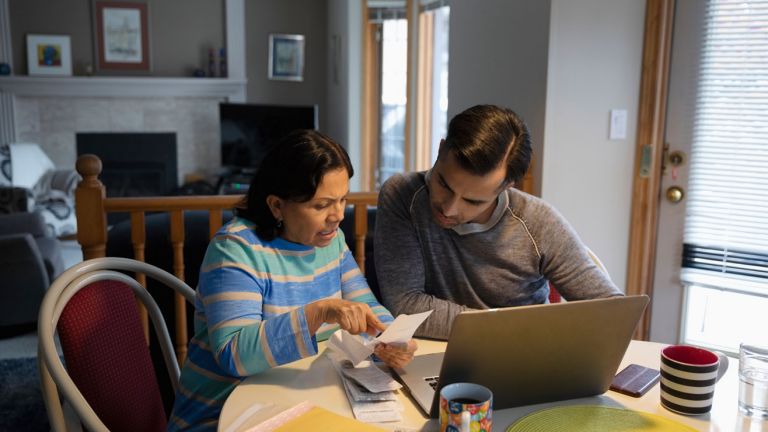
(89, 207)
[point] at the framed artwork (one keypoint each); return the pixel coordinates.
(49, 55)
(286, 57)
(122, 36)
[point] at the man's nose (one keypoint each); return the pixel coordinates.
(451, 207)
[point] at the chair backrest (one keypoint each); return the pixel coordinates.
(109, 379)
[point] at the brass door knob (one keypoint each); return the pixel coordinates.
(675, 194)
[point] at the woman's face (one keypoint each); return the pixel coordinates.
(314, 223)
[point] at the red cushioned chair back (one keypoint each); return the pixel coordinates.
(108, 359)
(554, 296)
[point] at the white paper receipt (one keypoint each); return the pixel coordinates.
(356, 349)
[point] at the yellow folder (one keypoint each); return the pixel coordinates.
(321, 419)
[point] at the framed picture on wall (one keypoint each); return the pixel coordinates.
(49, 55)
(286, 57)
(121, 36)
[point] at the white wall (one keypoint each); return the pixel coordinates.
(595, 56)
(498, 55)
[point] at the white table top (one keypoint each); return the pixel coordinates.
(314, 379)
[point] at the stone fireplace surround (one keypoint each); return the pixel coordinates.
(53, 122)
(50, 111)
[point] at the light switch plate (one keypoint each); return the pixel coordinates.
(618, 127)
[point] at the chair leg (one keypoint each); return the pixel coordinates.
(51, 397)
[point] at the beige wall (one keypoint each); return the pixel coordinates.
(306, 17)
(498, 55)
(181, 31)
(595, 54)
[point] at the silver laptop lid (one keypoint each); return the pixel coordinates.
(540, 353)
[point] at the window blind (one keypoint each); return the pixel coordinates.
(726, 229)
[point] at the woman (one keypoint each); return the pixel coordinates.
(276, 279)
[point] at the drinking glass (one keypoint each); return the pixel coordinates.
(753, 380)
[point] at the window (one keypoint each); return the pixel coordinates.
(725, 256)
(432, 115)
(388, 79)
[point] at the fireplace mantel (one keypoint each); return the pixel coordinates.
(229, 89)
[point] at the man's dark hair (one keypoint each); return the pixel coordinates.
(484, 136)
(291, 170)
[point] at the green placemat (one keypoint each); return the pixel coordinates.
(589, 418)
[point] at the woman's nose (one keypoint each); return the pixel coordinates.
(337, 212)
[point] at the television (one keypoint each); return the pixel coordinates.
(248, 131)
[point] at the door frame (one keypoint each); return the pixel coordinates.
(649, 150)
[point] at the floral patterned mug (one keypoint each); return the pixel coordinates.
(465, 407)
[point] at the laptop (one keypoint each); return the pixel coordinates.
(530, 354)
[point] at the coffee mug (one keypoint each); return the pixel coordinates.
(688, 377)
(465, 407)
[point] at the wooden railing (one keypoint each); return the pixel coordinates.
(92, 206)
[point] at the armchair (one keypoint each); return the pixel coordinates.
(29, 260)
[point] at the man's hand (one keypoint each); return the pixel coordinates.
(354, 317)
(396, 355)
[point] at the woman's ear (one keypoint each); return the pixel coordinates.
(275, 204)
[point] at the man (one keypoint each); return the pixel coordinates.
(460, 237)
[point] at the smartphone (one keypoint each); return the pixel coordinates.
(634, 380)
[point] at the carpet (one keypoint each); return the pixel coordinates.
(21, 401)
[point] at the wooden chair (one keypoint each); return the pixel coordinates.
(92, 206)
(109, 380)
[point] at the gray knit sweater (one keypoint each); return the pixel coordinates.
(504, 262)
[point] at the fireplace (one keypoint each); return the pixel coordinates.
(134, 164)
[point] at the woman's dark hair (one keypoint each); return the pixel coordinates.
(483, 136)
(291, 170)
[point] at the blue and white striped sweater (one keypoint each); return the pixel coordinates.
(249, 313)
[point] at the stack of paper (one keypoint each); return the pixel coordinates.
(371, 391)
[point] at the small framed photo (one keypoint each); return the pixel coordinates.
(49, 55)
(286, 57)
(122, 36)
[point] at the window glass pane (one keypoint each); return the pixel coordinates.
(394, 45)
(440, 79)
(722, 319)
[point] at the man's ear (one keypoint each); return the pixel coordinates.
(275, 206)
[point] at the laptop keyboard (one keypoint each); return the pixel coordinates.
(432, 381)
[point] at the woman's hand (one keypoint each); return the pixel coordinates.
(396, 355)
(354, 317)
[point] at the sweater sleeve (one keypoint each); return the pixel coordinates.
(565, 260)
(231, 289)
(400, 266)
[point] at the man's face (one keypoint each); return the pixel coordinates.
(458, 196)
